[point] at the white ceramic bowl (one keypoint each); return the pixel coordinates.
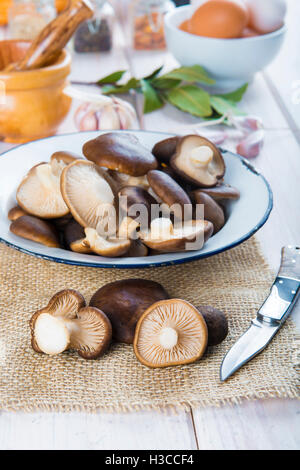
(231, 62)
(245, 216)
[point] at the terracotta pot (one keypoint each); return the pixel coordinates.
(32, 103)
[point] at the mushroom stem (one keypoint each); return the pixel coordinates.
(161, 228)
(52, 335)
(201, 156)
(168, 338)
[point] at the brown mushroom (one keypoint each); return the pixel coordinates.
(15, 212)
(137, 249)
(170, 332)
(66, 323)
(64, 157)
(118, 151)
(39, 192)
(35, 229)
(216, 322)
(125, 301)
(81, 246)
(105, 246)
(198, 161)
(164, 237)
(137, 203)
(90, 194)
(221, 192)
(165, 149)
(72, 232)
(212, 210)
(122, 180)
(171, 193)
(61, 222)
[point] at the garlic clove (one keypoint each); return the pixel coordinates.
(251, 146)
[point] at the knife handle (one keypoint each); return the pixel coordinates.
(285, 290)
(290, 262)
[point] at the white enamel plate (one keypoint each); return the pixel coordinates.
(245, 216)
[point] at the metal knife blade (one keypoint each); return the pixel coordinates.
(251, 343)
(270, 317)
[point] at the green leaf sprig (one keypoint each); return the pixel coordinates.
(179, 87)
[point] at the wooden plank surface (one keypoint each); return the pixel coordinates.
(276, 423)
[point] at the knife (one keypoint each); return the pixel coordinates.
(270, 317)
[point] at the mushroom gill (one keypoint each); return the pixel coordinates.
(170, 332)
(88, 192)
(39, 192)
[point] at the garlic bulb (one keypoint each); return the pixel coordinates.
(100, 112)
(118, 114)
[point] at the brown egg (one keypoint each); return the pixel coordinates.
(185, 26)
(220, 19)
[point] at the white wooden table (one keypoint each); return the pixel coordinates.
(274, 424)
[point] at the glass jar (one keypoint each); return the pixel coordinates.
(147, 23)
(28, 17)
(95, 34)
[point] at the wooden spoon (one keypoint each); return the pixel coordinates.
(53, 38)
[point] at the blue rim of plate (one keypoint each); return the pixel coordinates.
(157, 264)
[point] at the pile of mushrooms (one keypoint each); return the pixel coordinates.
(164, 331)
(123, 199)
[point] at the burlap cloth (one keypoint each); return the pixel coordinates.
(236, 281)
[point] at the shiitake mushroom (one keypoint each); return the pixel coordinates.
(37, 230)
(198, 161)
(170, 332)
(125, 301)
(119, 151)
(66, 323)
(165, 149)
(217, 324)
(170, 192)
(212, 210)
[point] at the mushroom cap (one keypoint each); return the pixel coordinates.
(212, 210)
(88, 192)
(165, 149)
(169, 333)
(65, 157)
(169, 191)
(118, 151)
(187, 186)
(176, 240)
(39, 193)
(61, 222)
(67, 323)
(125, 301)
(136, 196)
(15, 212)
(64, 304)
(188, 164)
(221, 191)
(35, 229)
(72, 232)
(81, 246)
(216, 322)
(122, 179)
(137, 249)
(108, 247)
(93, 333)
